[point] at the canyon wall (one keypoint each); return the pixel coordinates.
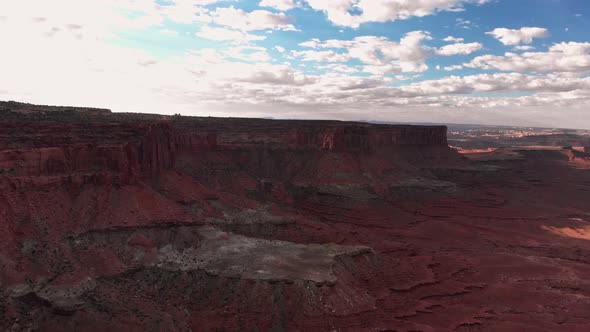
(330, 136)
(106, 148)
(47, 152)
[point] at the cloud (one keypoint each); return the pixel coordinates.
(181, 11)
(282, 5)
(79, 71)
(211, 82)
(339, 68)
(265, 84)
(169, 32)
(562, 57)
(343, 12)
(248, 53)
(250, 21)
(50, 18)
(521, 36)
(453, 67)
(313, 43)
(465, 24)
(262, 74)
(524, 48)
(242, 79)
(193, 2)
(500, 82)
(454, 39)
(321, 56)
(381, 55)
(459, 48)
(223, 34)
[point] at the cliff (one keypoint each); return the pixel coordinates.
(48, 152)
(298, 135)
(36, 146)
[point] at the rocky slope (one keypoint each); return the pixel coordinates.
(139, 222)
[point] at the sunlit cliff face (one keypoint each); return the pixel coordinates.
(459, 61)
(581, 232)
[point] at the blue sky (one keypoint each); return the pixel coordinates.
(508, 62)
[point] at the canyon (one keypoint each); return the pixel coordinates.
(139, 222)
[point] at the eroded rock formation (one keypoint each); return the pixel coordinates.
(131, 222)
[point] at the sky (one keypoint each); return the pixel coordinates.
(505, 62)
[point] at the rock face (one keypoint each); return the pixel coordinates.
(293, 135)
(132, 222)
(60, 153)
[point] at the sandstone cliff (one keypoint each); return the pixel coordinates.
(97, 146)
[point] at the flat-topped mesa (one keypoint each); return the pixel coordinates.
(23, 110)
(331, 136)
(46, 145)
(83, 152)
(366, 138)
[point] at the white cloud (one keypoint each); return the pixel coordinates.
(562, 57)
(193, 2)
(454, 39)
(206, 82)
(339, 68)
(453, 67)
(524, 48)
(182, 11)
(381, 55)
(459, 48)
(223, 34)
(49, 17)
(321, 56)
(248, 53)
(200, 2)
(339, 12)
(80, 71)
(521, 36)
(465, 24)
(282, 5)
(169, 32)
(281, 49)
(250, 21)
(262, 74)
(313, 43)
(400, 67)
(500, 82)
(80, 65)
